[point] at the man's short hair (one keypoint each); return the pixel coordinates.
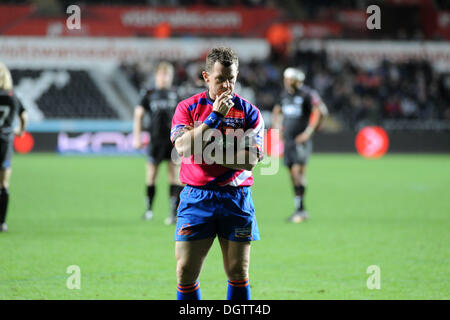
(226, 56)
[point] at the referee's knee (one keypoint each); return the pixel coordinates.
(186, 273)
(237, 271)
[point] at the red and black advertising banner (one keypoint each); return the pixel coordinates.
(125, 21)
(315, 29)
(443, 24)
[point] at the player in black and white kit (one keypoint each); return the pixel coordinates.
(300, 111)
(10, 107)
(159, 103)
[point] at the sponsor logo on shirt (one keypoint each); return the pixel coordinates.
(233, 123)
(234, 119)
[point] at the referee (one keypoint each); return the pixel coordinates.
(217, 199)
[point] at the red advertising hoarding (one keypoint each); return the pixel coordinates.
(315, 29)
(443, 24)
(123, 21)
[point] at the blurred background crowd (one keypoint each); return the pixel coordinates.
(407, 90)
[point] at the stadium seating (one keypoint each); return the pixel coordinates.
(66, 94)
(410, 90)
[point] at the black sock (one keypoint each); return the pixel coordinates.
(150, 192)
(175, 198)
(299, 195)
(4, 199)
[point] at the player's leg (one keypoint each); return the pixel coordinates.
(194, 235)
(298, 177)
(237, 227)
(190, 256)
(150, 189)
(6, 152)
(297, 171)
(175, 189)
(290, 160)
(5, 175)
(236, 261)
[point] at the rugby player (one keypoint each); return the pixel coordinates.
(299, 113)
(217, 199)
(159, 103)
(10, 107)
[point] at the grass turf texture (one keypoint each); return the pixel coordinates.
(391, 212)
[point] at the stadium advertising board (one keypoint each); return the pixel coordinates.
(443, 24)
(120, 143)
(29, 50)
(315, 29)
(99, 143)
(79, 51)
(353, 19)
(126, 21)
(370, 53)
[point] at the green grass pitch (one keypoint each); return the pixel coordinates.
(392, 212)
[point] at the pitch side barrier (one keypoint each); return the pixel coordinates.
(115, 138)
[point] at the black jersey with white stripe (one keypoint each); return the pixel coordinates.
(296, 108)
(10, 106)
(160, 104)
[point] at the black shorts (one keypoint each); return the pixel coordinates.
(159, 150)
(297, 153)
(6, 151)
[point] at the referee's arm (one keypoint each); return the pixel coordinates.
(250, 150)
(187, 143)
(243, 160)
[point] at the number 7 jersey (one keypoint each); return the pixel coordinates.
(10, 106)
